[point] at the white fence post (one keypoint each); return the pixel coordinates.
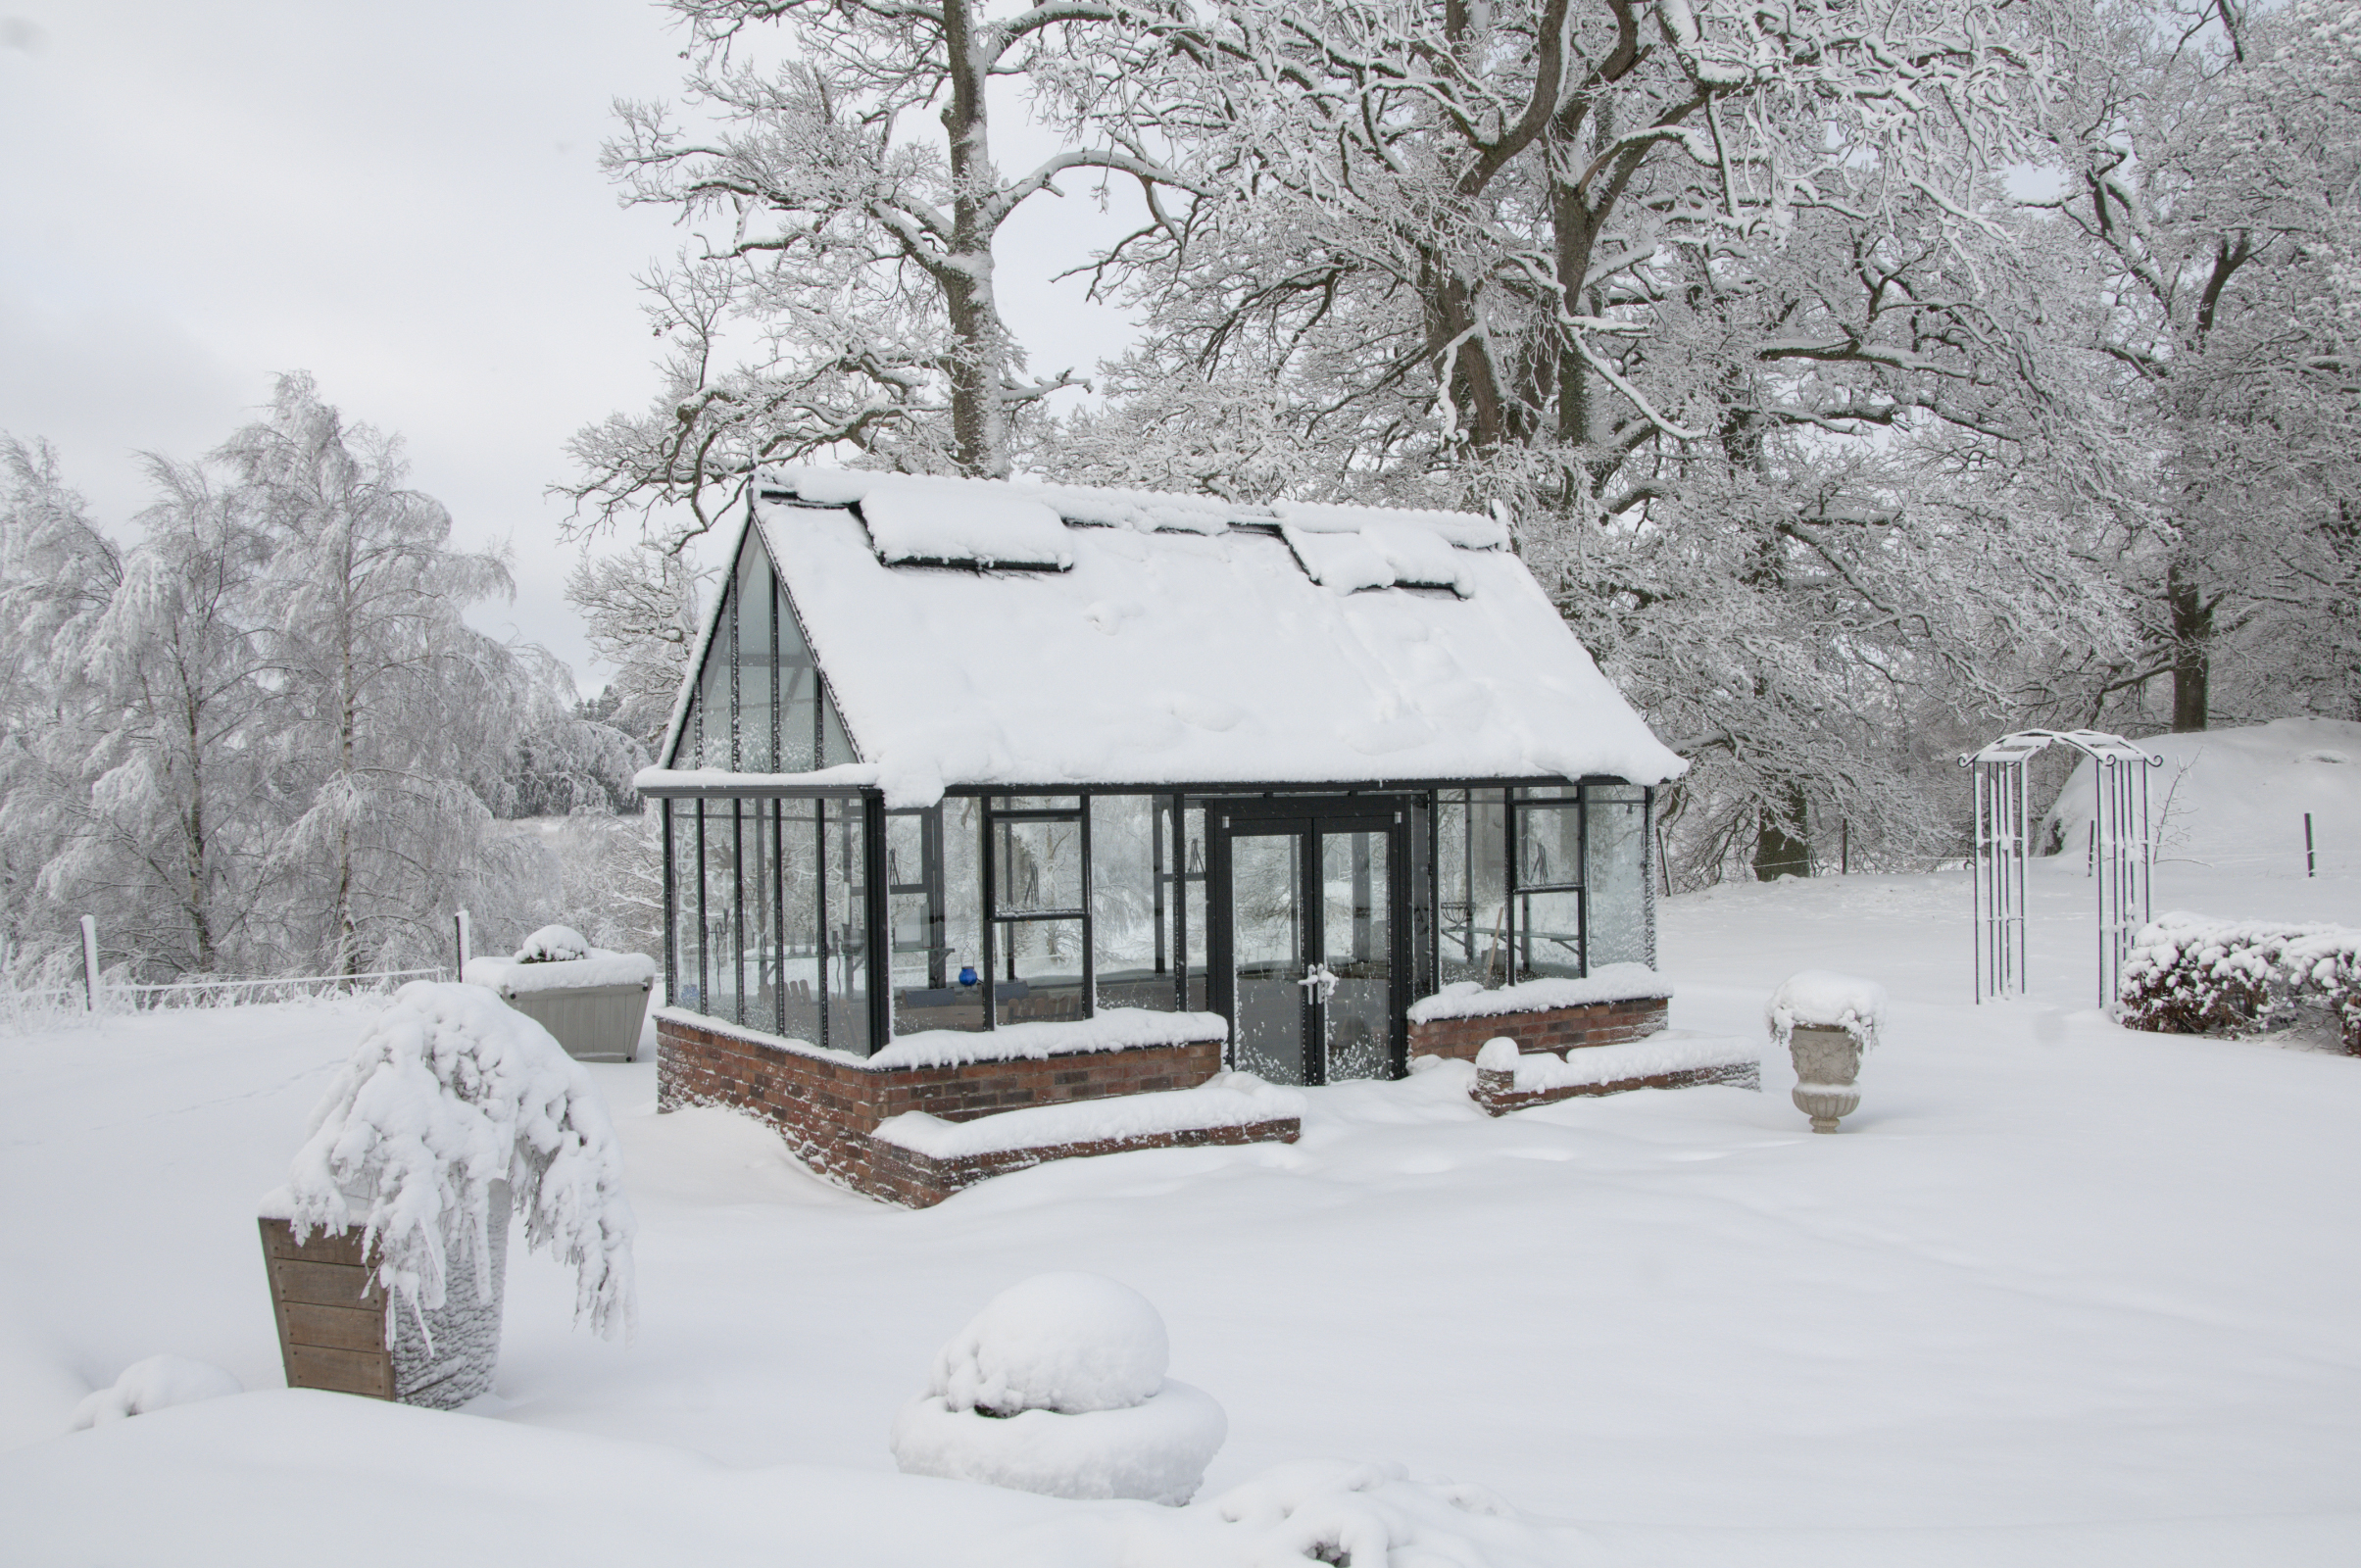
(89, 965)
(463, 938)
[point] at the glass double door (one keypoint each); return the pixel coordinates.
(1308, 939)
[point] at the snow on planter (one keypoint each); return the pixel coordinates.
(155, 1384)
(591, 999)
(1059, 1386)
(1675, 1052)
(1821, 998)
(452, 1110)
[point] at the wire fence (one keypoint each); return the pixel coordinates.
(113, 993)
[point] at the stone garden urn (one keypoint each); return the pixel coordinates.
(1826, 1021)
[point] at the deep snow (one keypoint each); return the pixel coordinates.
(2058, 1293)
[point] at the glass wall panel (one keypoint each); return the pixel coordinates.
(688, 918)
(845, 903)
(963, 895)
(721, 908)
(1131, 917)
(797, 827)
(1037, 866)
(1471, 871)
(927, 990)
(1548, 935)
(1616, 866)
(1037, 803)
(759, 930)
(1040, 970)
(757, 715)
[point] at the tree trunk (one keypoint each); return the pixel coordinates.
(1782, 846)
(2193, 647)
(980, 342)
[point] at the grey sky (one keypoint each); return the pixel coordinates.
(402, 199)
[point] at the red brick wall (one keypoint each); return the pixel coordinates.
(1600, 1023)
(826, 1109)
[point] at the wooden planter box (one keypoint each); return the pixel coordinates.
(594, 1023)
(332, 1318)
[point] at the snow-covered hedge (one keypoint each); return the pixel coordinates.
(449, 1092)
(2189, 975)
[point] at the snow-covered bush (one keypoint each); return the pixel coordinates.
(1059, 1386)
(554, 944)
(450, 1092)
(2189, 975)
(1820, 998)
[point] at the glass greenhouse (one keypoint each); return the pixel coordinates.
(956, 754)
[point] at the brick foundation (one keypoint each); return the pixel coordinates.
(826, 1109)
(1498, 1093)
(1555, 1029)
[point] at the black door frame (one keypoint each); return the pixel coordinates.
(1310, 816)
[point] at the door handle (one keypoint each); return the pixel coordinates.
(1319, 975)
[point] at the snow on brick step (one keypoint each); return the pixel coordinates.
(1612, 982)
(1508, 1079)
(1232, 1099)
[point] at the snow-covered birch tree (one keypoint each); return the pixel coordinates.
(400, 713)
(839, 289)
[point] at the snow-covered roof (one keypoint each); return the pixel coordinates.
(983, 632)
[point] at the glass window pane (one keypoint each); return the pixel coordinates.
(1267, 931)
(1550, 791)
(1130, 916)
(1471, 875)
(799, 685)
(1037, 803)
(1037, 866)
(799, 979)
(1616, 865)
(1040, 970)
(756, 715)
(1356, 942)
(1189, 944)
(1548, 935)
(843, 841)
(835, 745)
(1549, 847)
(712, 701)
(688, 945)
(721, 908)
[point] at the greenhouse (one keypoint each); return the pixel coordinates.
(962, 755)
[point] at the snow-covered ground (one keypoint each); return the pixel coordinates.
(2057, 1293)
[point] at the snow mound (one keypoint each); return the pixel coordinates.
(449, 1092)
(1058, 1341)
(1822, 998)
(1059, 1386)
(1334, 1511)
(154, 1384)
(1154, 1451)
(2236, 798)
(554, 944)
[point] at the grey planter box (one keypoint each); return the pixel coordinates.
(594, 1023)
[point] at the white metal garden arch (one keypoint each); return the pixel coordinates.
(2122, 851)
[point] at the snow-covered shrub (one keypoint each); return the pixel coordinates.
(1059, 1386)
(450, 1092)
(554, 944)
(1820, 998)
(155, 1384)
(2189, 975)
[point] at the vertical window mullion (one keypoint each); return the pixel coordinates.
(778, 904)
(704, 930)
(1090, 933)
(819, 885)
(671, 896)
(990, 925)
(737, 897)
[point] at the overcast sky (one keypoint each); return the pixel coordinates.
(402, 199)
